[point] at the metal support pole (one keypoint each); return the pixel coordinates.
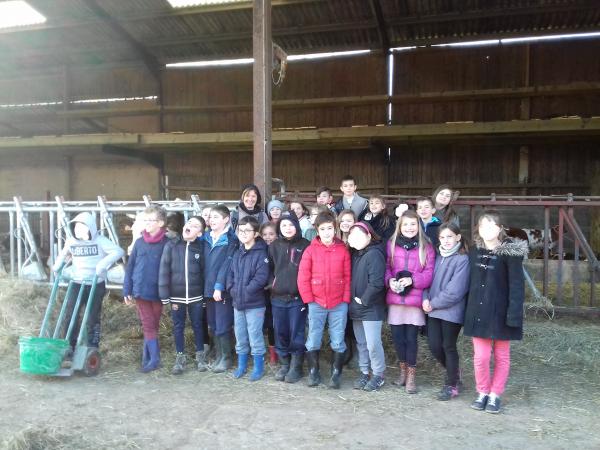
(561, 232)
(262, 48)
(546, 249)
(11, 219)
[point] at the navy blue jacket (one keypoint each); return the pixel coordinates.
(181, 275)
(368, 283)
(141, 274)
(248, 276)
(217, 257)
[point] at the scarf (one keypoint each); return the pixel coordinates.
(452, 251)
(153, 239)
(257, 209)
(407, 243)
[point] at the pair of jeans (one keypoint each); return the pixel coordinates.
(92, 327)
(442, 336)
(248, 325)
(481, 361)
(149, 312)
(336, 318)
(405, 343)
(289, 322)
(369, 345)
(220, 316)
(195, 311)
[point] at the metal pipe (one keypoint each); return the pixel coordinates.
(11, 220)
(561, 230)
(575, 273)
(546, 250)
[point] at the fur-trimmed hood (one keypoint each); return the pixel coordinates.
(508, 247)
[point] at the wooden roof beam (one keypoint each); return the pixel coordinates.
(153, 65)
(381, 27)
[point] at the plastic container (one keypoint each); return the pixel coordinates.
(41, 356)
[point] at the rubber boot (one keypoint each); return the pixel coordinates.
(272, 355)
(401, 381)
(154, 356)
(411, 383)
(201, 361)
(295, 372)
(225, 361)
(242, 366)
(259, 368)
(336, 370)
(314, 376)
(284, 367)
(216, 351)
(179, 365)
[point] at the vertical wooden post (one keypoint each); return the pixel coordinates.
(262, 47)
(595, 212)
(525, 115)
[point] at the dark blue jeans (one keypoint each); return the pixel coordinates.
(195, 311)
(289, 322)
(220, 316)
(405, 342)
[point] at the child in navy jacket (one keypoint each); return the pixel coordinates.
(140, 286)
(248, 276)
(181, 283)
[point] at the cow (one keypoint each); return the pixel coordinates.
(535, 238)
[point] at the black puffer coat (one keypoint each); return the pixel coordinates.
(181, 273)
(368, 283)
(497, 291)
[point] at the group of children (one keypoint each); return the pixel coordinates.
(347, 265)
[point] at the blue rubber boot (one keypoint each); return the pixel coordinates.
(242, 366)
(154, 353)
(259, 368)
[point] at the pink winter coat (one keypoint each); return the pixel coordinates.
(421, 276)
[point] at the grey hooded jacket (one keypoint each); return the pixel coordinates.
(448, 291)
(90, 257)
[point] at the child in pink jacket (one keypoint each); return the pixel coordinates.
(409, 270)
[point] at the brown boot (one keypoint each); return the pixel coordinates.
(401, 381)
(411, 383)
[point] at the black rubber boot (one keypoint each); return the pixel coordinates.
(295, 372)
(284, 367)
(225, 362)
(314, 376)
(336, 370)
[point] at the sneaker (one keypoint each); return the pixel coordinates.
(480, 402)
(361, 381)
(180, 361)
(447, 393)
(493, 405)
(201, 360)
(374, 384)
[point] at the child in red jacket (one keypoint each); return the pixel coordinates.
(324, 283)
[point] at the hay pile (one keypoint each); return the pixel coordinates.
(47, 438)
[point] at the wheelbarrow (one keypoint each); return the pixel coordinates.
(50, 353)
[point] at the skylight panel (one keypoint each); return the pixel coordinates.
(18, 13)
(188, 3)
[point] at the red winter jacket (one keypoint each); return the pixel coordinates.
(324, 274)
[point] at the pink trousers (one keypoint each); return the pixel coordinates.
(485, 382)
(149, 313)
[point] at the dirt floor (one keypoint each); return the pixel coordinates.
(551, 402)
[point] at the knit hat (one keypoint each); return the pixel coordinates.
(275, 204)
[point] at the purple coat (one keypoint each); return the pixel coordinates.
(421, 276)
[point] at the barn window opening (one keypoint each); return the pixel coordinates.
(77, 102)
(18, 13)
(242, 61)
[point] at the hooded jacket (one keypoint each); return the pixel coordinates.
(324, 274)
(90, 257)
(285, 255)
(368, 283)
(497, 291)
(181, 274)
(248, 276)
